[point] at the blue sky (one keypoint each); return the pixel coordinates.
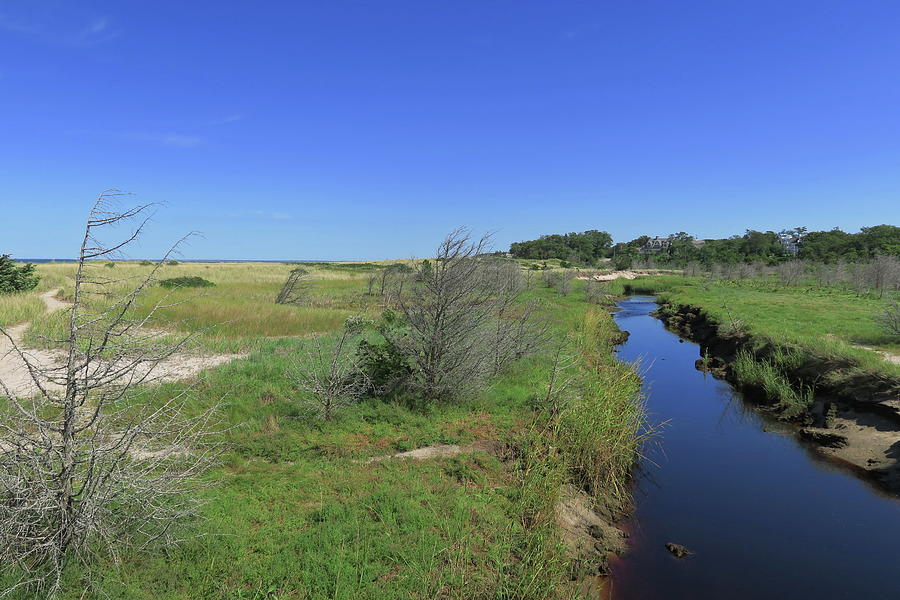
(345, 130)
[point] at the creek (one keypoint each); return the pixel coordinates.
(763, 514)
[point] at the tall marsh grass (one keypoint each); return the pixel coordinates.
(769, 376)
(598, 429)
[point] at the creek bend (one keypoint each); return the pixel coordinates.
(763, 514)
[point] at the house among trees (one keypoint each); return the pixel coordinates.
(791, 242)
(655, 244)
(670, 244)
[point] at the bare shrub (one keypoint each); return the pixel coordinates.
(595, 292)
(889, 320)
(513, 331)
(859, 277)
(561, 281)
(93, 465)
(884, 273)
(296, 289)
(330, 375)
(791, 272)
(693, 269)
(391, 275)
(449, 306)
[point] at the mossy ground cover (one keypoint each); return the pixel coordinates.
(294, 511)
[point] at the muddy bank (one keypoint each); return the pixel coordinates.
(591, 538)
(855, 418)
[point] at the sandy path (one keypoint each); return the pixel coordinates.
(891, 358)
(13, 372)
(15, 376)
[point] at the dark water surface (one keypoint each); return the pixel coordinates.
(764, 516)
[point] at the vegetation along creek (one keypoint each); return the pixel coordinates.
(763, 515)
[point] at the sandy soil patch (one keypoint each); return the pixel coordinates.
(15, 376)
(436, 451)
(615, 275)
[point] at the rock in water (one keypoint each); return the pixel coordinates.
(677, 550)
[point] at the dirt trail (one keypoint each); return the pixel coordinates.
(891, 358)
(15, 376)
(13, 372)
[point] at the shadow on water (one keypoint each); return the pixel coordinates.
(763, 515)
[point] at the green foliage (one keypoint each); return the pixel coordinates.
(343, 267)
(16, 279)
(622, 261)
(147, 263)
(829, 246)
(383, 361)
(585, 247)
(173, 263)
(179, 282)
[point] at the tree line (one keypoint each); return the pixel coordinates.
(588, 247)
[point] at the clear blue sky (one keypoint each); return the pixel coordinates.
(344, 130)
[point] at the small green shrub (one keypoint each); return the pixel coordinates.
(385, 364)
(147, 263)
(173, 263)
(175, 282)
(16, 279)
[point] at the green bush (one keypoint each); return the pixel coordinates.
(385, 364)
(186, 282)
(16, 279)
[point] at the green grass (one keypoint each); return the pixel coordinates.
(294, 514)
(237, 314)
(19, 308)
(828, 322)
(771, 377)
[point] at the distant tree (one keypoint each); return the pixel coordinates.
(585, 247)
(829, 246)
(16, 278)
(681, 248)
(880, 240)
(295, 289)
(390, 273)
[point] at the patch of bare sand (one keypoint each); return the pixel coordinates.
(15, 375)
(866, 440)
(615, 275)
(436, 451)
